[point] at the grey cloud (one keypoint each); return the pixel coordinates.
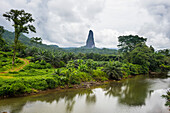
(158, 30)
(67, 22)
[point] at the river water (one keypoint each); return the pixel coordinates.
(135, 95)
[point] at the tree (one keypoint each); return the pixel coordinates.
(141, 55)
(128, 43)
(21, 23)
(36, 40)
(113, 70)
(2, 42)
(165, 52)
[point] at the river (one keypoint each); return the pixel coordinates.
(135, 95)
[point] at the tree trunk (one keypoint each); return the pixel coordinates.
(15, 45)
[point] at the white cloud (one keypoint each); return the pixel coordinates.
(157, 30)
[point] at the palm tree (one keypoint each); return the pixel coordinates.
(113, 69)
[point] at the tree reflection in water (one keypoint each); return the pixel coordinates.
(90, 99)
(69, 97)
(130, 91)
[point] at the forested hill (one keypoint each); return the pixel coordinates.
(91, 50)
(9, 38)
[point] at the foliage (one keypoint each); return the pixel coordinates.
(99, 75)
(133, 69)
(36, 40)
(38, 65)
(113, 70)
(128, 43)
(6, 61)
(140, 55)
(165, 68)
(165, 52)
(2, 41)
(167, 97)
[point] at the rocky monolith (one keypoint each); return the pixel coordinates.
(90, 41)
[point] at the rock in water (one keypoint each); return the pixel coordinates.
(90, 40)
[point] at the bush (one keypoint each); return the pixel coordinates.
(17, 88)
(62, 80)
(38, 65)
(133, 69)
(74, 78)
(40, 84)
(4, 90)
(13, 87)
(43, 62)
(99, 75)
(13, 72)
(51, 83)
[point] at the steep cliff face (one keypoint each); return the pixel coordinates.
(90, 41)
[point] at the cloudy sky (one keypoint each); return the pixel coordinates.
(67, 22)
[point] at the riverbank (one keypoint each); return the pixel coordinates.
(83, 85)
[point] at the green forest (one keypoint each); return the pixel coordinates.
(28, 66)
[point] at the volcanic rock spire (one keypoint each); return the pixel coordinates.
(90, 41)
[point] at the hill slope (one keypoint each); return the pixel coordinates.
(9, 38)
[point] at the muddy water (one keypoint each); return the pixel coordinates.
(135, 95)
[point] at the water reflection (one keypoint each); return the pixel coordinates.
(130, 92)
(123, 96)
(69, 97)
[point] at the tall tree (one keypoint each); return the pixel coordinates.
(21, 23)
(128, 43)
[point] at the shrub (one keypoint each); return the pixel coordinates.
(13, 72)
(4, 90)
(133, 69)
(74, 78)
(40, 84)
(83, 68)
(99, 75)
(38, 65)
(51, 83)
(43, 62)
(17, 88)
(62, 80)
